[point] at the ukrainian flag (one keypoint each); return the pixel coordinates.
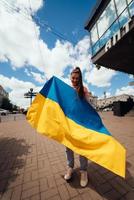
(59, 113)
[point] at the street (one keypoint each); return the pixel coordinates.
(32, 166)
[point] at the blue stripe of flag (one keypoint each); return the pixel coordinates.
(75, 108)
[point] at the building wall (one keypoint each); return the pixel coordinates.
(92, 100)
(107, 101)
(116, 15)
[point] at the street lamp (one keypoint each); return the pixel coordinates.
(30, 94)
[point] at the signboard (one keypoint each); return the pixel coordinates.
(118, 35)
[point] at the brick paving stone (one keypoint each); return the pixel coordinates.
(7, 195)
(28, 161)
(56, 197)
(15, 181)
(64, 194)
(30, 184)
(122, 198)
(102, 170)
(77, 198)
(72, 191)
(86, 196)
(3, 184)
(103, 188)
(30, 192)
(82, 190)
(35, 197)
(55, 169)
(129, 195)
(107, 176)
(113, 194)
(60, 181)
(35, 165)
(44, 182)
(42, 157)
(118, 187)
(27, 177)
(94, 194)
(55, 162)
(123, 183)
(17, 191)
(34, 175)
(98, 178)
(20, 171)
(49, 193)
(47, 167)
(30, 168)
(40, 164)
(130, 182)
(51, 181)
(44, 173)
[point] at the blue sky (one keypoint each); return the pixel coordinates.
(40, 39)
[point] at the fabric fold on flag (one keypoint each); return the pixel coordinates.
(59, 113)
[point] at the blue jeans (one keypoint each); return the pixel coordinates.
(70, 159)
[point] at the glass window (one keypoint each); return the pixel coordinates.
(129, 1)
(131, 8)
(95, 48)
(124, 17)
(107, 18)
(94, 35)
(120, 5)
(105, 38)
(109, 33)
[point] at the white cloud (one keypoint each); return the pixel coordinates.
(19, 35)
(25, 6)
(38, 77)
(21, 44)
(125, 90)
(101, 77)
(17, 90)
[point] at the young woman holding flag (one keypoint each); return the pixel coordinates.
(77, 83)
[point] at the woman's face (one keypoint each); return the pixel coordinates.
(75, 79)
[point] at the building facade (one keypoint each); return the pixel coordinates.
(102, 103)
(92, 100)
(3, 94)
(111, 30)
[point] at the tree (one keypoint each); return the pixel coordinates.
(6, 104)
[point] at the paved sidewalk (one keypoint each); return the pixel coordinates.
(32, 166)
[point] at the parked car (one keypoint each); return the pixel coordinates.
(3, 111)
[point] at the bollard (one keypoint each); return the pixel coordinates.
(14, 118)
(0, 119)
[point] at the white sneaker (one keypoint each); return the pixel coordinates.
(83, 178)
(68, 174)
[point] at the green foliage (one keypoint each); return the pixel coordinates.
(6, 104)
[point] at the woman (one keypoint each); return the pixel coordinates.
(76, 79)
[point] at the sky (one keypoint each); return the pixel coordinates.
(44, 38)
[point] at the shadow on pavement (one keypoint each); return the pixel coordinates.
(12, 159)
(107, 184)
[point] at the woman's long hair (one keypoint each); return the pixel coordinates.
(80, 86)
